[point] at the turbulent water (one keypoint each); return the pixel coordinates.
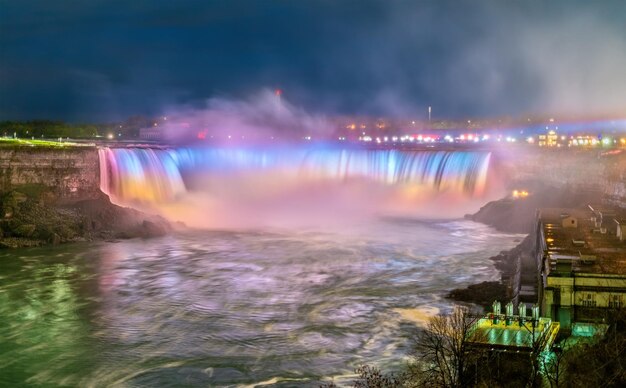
(232, 308)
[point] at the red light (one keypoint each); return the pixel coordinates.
(278, 92)
(202, 135)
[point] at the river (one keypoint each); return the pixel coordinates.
(284, 307)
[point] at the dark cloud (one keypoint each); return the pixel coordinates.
(99, 60)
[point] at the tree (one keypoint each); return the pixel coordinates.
(441, 357)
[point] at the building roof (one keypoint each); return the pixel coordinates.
(601, 252)
(514, 336)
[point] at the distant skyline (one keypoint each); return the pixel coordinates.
(107, 60)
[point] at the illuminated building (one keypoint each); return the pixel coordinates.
(512, 333)
(548, 140)
(581, 258)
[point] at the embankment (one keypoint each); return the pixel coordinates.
(51, 195)
(554, 178)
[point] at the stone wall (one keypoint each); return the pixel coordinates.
(71, 173)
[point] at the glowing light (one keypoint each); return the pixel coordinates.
(155, 175)
(520, 193)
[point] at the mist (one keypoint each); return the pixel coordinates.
(263, 116)
(295, 186)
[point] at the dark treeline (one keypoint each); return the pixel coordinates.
(50, 129)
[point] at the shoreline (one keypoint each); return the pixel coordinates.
(512, 215)
(33, 216)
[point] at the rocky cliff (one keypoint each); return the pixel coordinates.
(52, 195)
(69, 173)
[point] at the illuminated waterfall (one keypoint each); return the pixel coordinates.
(157, 175)
(144, 175)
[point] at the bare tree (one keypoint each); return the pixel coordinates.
(441, 357)
(554, 366)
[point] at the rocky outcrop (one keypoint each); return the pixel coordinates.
(35, 218)
(513, 215)
(67, 172)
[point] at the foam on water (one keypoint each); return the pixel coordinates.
(217, 308)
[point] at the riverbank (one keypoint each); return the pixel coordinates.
(517, 215)
(32, 215)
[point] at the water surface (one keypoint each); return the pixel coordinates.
(231, 308)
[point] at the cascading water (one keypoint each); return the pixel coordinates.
(154, 175)
(139, 175)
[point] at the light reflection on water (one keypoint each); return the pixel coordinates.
(231, 308)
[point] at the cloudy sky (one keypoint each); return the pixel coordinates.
(105, 60)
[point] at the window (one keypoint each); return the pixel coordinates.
(615, 301)
(589, 300)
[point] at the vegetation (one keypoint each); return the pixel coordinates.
(10, 142)
(442, 358)
(50, 129)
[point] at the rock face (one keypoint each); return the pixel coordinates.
(518, 215)
(33, 221)
(68, 173)
(52, 195)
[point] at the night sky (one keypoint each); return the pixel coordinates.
(106, 60)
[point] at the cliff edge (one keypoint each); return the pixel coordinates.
(32, 216)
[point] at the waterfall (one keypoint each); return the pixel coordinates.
(154, 175)
(138, 174)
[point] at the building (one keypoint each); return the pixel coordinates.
(520, 333)
(550, 139)
(582, 263)
(151, 133)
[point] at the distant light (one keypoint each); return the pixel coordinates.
(278, 92)
(110, 136)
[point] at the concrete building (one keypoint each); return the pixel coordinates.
(582, 265)
(514, 333)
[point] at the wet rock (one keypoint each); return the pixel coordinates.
(153, 229)
(36, 220)
(18, 242)
(482, 294)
